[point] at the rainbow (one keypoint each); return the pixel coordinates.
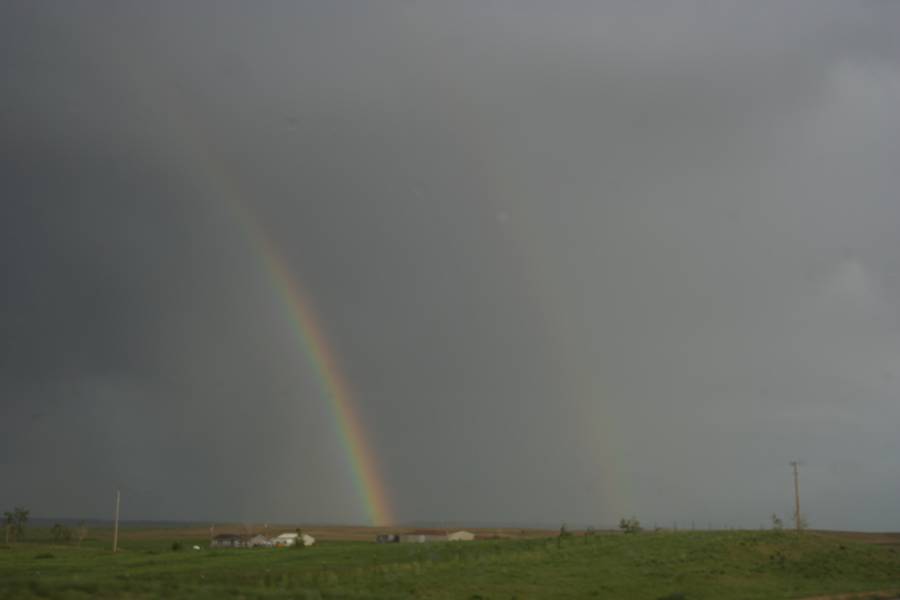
(197, 156)
(317, 349)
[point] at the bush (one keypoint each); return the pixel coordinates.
(176, 546)
(631, 525)
(15, 521)
(777, 523)
(61, 533)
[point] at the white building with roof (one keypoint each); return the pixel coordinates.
(290, 539)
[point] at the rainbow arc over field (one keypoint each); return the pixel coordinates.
(195, 151)
(306, 327)
(334, 386)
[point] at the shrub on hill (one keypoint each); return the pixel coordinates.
(61, 533)
(631, 525)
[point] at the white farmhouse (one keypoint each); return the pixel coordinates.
(285, 539)
(290, 539)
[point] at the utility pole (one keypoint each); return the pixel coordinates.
(116, 525)
(796, 465)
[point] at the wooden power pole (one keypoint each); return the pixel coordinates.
(116, 525)
(796, 465)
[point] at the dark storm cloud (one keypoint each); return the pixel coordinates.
(576, 262)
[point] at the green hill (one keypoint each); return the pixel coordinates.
(681, 565)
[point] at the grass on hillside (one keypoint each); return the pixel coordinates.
(680, 565)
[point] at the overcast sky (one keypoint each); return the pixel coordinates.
(576, 262)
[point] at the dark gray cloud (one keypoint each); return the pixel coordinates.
(576, 263)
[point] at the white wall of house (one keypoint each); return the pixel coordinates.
(291, 539)
(259, 540)
(285, 539)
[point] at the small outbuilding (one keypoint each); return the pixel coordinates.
(461, 536)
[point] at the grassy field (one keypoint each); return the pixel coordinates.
(690, 565)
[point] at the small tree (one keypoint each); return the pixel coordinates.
(631, 525)
(21, 518)
(61, 533)
(7, 524)
(777, 523)
(15, 523)
(299, 543)
(563, 533)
